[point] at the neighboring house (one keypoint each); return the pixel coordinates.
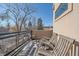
(67, 20)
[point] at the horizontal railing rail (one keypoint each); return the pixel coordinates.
(6, 33)
(12, 34)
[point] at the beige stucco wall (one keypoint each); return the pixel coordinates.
(69, 24)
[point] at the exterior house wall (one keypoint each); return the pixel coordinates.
(68, 25)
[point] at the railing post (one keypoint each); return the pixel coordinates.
(74, 50)
(24, 39)
(71, 51)
(31, 34)
(17, 39)
(78, 50)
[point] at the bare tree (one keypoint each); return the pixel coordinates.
(3, 16)
(30, 25)
(19, 13)
(8, 25)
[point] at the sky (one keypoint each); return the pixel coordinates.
(43, 11)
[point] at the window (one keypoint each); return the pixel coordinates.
(61, 9)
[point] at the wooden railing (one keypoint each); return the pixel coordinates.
(74, 50)
(10, 41)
